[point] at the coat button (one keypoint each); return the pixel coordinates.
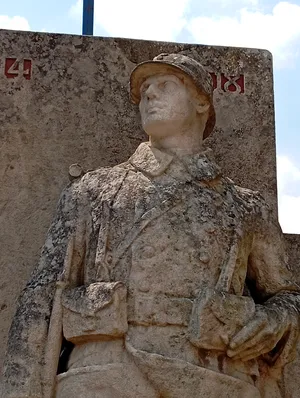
(109, 258)
(204, 257)
(147, 252)
(144, 286)
(210, 229)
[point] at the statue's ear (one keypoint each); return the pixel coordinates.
(201, 103)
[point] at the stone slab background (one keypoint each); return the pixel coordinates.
(64, 100)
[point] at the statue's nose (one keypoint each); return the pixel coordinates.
(151, 92)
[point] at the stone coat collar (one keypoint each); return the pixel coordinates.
(154, 163)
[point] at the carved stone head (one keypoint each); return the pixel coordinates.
(171, 68)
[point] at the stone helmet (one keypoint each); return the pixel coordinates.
(176, 63)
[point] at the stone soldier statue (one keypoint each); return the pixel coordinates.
(164, 278)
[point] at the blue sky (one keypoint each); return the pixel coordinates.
(270, 24)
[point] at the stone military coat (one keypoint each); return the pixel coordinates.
(165, 227)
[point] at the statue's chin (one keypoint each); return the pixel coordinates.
(159, 128)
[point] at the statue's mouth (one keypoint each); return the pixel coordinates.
(154, 107)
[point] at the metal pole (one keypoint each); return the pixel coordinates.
(88, 17)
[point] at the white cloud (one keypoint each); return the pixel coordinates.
(139, 19)
(233, 3)
(288, 176)
(277, 31)
(76, 9)
(287, 173)
(289, 213)
(15, 23)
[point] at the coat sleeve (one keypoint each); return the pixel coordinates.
(24, 361)
(273, 284)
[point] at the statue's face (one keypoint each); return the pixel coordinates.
(166, 105)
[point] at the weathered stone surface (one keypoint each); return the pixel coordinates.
(157, 195)
(293, 252)
(291, 374)
(192, 249)
(74, 108)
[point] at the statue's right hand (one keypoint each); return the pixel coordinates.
(260, 335)
(216, 318)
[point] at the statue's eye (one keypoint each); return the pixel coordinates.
(163, 85)
(144, 88)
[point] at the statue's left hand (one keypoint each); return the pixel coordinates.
(260, 335)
